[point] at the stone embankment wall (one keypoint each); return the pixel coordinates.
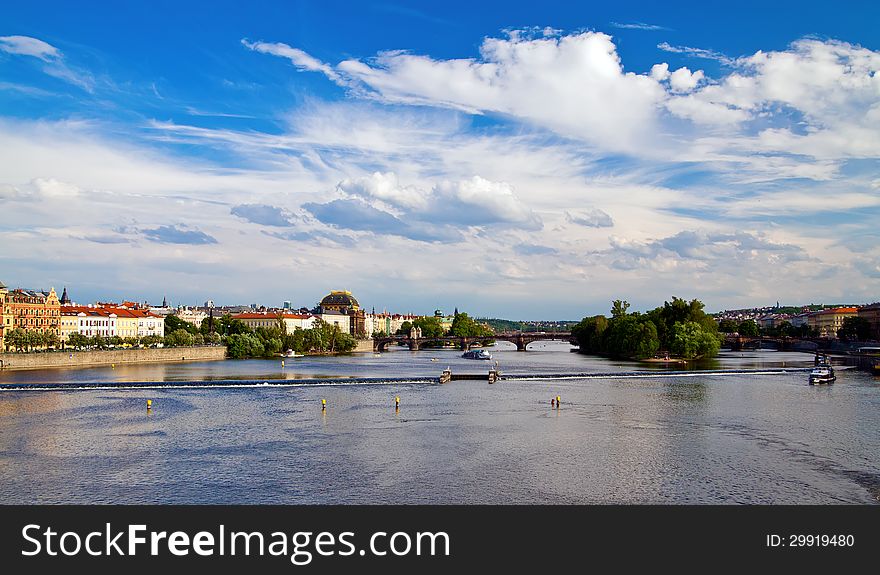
(72, 358)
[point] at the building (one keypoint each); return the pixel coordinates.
(193, 316)
(341, 308)
(872, 314)
(292, 321)
(387, 323)
(97, 322)
(337, 318)
(33, 310)
(109, 321)
(69, 321)
(772, 320)
(827, 321)
(5, 315)
(799, 319)
(150, 323)
(126, 322)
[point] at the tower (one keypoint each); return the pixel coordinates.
(65, 300)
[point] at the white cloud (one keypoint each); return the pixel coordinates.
(386, 188)
(27, 46)
(696, 52)
(660, 72)
(479, 201)
(297, 57)
(470, 202)
(638, 26)
(594, 218)
(683, 80)
(574, 85)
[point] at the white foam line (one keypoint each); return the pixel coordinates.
(644, 376)
(53, 387)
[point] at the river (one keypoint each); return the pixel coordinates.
(686, 438)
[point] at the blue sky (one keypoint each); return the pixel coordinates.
(522, 161)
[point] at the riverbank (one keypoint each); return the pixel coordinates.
(19, 361)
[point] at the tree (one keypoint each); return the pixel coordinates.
(727, 326)
(631, 336)
(854, 329)
(404, 328)
(618, 308)
(77, 340)
(464, 326)
(430, 326)
(179, 338)
(589, 332)
(174, 323)
(17, 339)
(680, 311)
(749, 328)
(242, 345)
(690, 340)
(229, 326)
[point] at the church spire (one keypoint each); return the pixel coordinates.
(164, 301)
(65, 300)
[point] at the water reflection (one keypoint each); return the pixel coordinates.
(690, 439)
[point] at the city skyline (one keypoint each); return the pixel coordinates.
(520, 163)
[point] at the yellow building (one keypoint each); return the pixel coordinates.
(828, 321)
(69, 321)
(126, 323)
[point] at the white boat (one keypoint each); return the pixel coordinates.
(476, 354)
(291, 353)
(822, 373)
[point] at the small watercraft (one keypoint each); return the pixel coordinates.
(291, 353)
(822, 373)
(476, 354)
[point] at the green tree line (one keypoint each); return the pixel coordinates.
(462, 326)
(679, 327)
(242, 341)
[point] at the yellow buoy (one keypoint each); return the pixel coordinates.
(282, 363)
(397, 402)
(112, 366)
(149, 404)
(323, 404)
(557, 401)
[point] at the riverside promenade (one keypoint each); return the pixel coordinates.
(72, 358)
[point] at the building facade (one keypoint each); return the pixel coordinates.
(5, 315)
(107, 321)
(872, 314)
(32, 310)
(291, 321)
(341, 308)
(827, 321)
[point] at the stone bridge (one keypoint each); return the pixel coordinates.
(739, 342)
(520, 339)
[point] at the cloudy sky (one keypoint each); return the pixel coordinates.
(530, 160)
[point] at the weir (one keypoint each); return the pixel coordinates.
(444, 378)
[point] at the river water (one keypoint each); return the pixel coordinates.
(685, 438)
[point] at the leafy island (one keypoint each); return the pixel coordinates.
(680, 328)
